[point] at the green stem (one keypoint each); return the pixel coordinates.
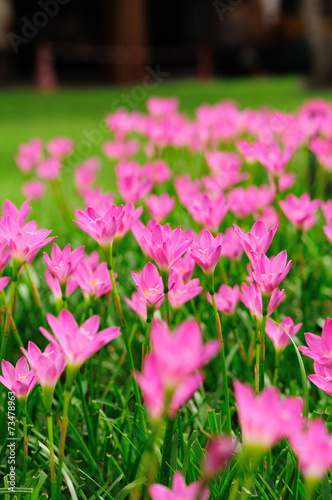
(63, 435)
(6, 330)
(262, 349)
(276, 367)
(223, 359)
(87, 419)
(166, 454)
(25, 434)
(35, 294)
(165, 277)
(51, 448)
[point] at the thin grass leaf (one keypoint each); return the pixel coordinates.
(129, 487)
(96, 484)
(38, 487)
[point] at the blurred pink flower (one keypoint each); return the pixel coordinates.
(160, 206)
(265, 419)
(220, 452)
(226, 298)
(162, 107)
(33, 189)
(179, 490)
(60, 147)
(279, 338)
(85, 174)
(300, 211)
(29, 155)
(180, 292)
(49, 169)
(231, 247)
(19, 215)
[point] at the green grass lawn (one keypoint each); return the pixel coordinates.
(26, 113)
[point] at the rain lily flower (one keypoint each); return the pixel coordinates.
(162, 107)
(23, 242)
(93, 282)
(165, 246)
(313, 447)
(279, 338)
(77, 343)
(49, 169)
(130, 217)
(269, 216)
(269, 272)
(86, 173)
(102, 227)
(180, 292)
(4, 282)
(207, 251)
(265, 419)
(55, 286)
(172, 366)
(63, 263)
(5, 255)
(47, 366)
(300, 211)
(286, 181)
(95, 198)
(231, 247)
(208, 211)
(19, 380)
(33, 189)
(149, 284)
(19, 215)
(220, 452)
(179, 491)
(320, 348)
(272, 157)
(258, 239)
(59, 147)
(29, 155)
(226, 298)
(120, 149)
(160, 206)
(322, 378)
(184, 267)
(137, 304)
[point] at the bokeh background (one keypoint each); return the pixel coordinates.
(65, 64)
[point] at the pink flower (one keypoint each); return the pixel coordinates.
(279, 338)
(165, 246)
(19, 380)
(5, 255)
(320, 348)
(300, 211)
(23, 242)
(86, 173)
(47, 366)
(78, 343)
(93, 282)
(184, 267)
(208, 211)
(60, 147)
(29, 155)
(55, 287)
(181, 292)
(179, 490)
(33, 189)
(269, 216)
(272, 157)
(95, 198)
(130, 217)
(19, 215)
(286, 181)
(137, 304)
(162, 107)
(149, 284)
(120, 149)
(160, 206)
(172, 366)
(322, 378)
(159, 171)
(252, 298)
(4, 282)
(220, 452)
(49, 169)
(265, 419)
(101, 227)
(269, 272)
(226, 298)
(63, 263)
(231, 247)
(206, 253)
(258, 239)
(313, 447)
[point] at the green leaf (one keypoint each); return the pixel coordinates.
(211, 414)
(326, 489)
(98, 485)
(129, 487)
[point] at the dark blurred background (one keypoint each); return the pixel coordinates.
(53, 42)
